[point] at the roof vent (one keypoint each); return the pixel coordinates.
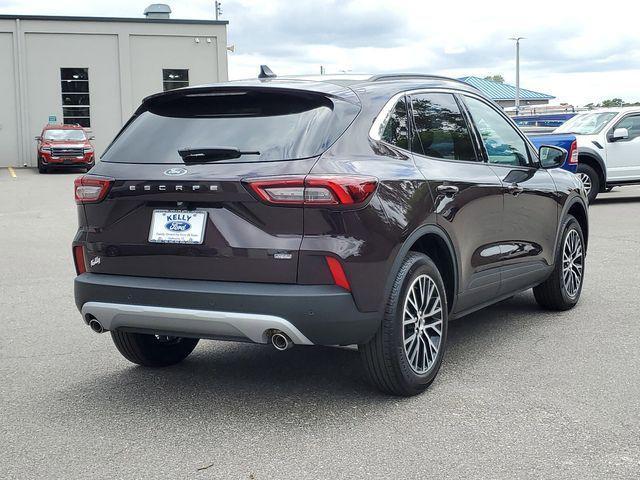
(157, 10)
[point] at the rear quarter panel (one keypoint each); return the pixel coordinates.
(367, 241)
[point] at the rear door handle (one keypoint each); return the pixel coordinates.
(515, 189)
(448, 190)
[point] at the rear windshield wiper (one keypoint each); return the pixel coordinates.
(212, 154)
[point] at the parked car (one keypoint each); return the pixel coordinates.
(608, 148)
(566, 141)
(543, 120)
(64, 146)
(366, 210)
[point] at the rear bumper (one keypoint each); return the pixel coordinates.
(309, 314)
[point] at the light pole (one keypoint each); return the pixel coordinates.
(517, 40)
(218, 7)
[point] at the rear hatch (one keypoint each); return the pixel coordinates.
(177, 204)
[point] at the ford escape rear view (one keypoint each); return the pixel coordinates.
(322, 211)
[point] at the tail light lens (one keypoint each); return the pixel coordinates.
(314, 190)
(573, 153)
(78, 259)
(90, 189)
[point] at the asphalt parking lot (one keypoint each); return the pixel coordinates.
(522, 393)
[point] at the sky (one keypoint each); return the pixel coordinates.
(576, 53)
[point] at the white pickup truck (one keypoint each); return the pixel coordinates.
(608, 147)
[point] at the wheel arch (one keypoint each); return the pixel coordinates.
(594, 160)
(579, 211)
(434, 242)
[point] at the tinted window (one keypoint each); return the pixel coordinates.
(440, 128)
(279, 125)
(395, 128)
(502, 142)
(631, 123)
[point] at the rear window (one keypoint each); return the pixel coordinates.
(279, 125)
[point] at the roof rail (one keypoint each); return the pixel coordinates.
(413, 76)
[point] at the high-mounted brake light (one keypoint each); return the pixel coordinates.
(573, 153)
(314, 190)
(90, 189)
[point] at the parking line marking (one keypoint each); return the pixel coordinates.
(12, 172)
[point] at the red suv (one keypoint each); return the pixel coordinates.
(64, 145)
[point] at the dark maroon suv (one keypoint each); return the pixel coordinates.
(366, 210)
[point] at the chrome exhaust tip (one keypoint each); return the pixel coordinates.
(281, 341)
(96, 326)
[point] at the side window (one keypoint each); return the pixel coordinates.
(631, 123)
(440, 128)
(503, 144)
(395, 129)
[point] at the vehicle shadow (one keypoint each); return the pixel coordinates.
(233, 379)
(602, 201)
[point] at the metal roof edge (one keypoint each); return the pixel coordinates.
(184, 21)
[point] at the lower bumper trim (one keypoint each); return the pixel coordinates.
(187, 322)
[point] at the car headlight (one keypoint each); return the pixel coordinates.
(87, 150)
(45, 149)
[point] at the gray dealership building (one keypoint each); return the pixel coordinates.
(95, 71)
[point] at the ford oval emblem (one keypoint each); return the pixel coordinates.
(177, 226)
(175, 172)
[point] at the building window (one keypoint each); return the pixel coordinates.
(75, 96)
(174, 78)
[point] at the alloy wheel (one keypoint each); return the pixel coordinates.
(586, 182)
(422, 324)
(572, 263)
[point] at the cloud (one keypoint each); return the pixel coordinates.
(563, 41)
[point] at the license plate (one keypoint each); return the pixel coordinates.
(177, 226)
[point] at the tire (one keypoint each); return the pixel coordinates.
(153, 351)
(41, 167)
(594, 179)
(553, 294)
(390, 366)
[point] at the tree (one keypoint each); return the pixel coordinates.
(614, 102)
(495, 78)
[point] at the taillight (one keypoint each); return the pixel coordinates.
(78, 259)
(337, 272)
(90, 189)
(314, 190)
(573, 153)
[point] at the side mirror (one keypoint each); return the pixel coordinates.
(552, 157)
(620, 134)
(92, 138)
(38, 138)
